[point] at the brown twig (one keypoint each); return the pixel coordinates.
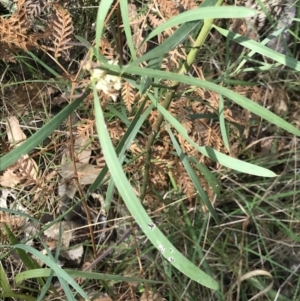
(120, 42)
(137, 249)
(107, 252)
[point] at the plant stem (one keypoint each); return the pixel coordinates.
(191, 57)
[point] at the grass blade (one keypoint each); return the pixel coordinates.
(127, 29)
(75, 273)
(103, 9)
(261, 49)
(193, 176)
(4, 284)
(27, 260)
(223, 124)
(211, 153)
(40, 135)
(53, 265)
(137, 210)
(238, 99)
(203, 13)
(177, 38)
(126, 140)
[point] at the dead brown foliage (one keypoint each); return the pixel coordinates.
(18, 32)
(58, 31)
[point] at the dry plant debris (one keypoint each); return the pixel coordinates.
(19, 32)
(24, 173)
(204, 132)
(75, 172)
(25, 170)
(14, 221)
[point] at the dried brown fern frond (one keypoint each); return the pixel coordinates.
(138, 146)
(163, 147)
(107, 50)
(182, 179)
(63, 31)
(86, 128)
(213, 101)
(36, 7)
(14, 221)
(27, 170)
(203, 131)
(159, 175)
(116, 131)
(13, 31)
(16, 32)
(137, 28)
(168, 8)
(134, 17)
(213, 138)
(153, 117)
(23, 173)
(128, 95)
(154, 20)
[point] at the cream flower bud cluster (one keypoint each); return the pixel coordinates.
(106, 82)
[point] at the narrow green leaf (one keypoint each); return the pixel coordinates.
(53, 265)
(127, 27)
(75, 273)
(146, 80)
(137, 210)
(103, 9)
(4, 284)
(203, 13)
(239, 99)
(261, 49)
(38, 60)
(29, 262)
(211, 153)
(40, 135)
(45, 288)
(126, 140)
(212, 180)
(222, 124)
(17, 297)
(252, 52)
(178, 37)
(193, 176)
(171, 42)
(86, 43)
(65, 286)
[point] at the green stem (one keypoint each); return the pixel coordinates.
(191, 57)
